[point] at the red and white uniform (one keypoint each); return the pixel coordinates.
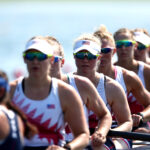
(119, 78)
(46, 114)
(69, 135)
(141, 72)
(134, 105)
(93, 120)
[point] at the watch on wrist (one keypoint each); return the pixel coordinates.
(67, 147)
(140, 114)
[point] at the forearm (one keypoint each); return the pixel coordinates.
(126, 126)
(79, 142)
(104, 124)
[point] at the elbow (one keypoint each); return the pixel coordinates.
(86, 138)
(130, 125)
(109, 118)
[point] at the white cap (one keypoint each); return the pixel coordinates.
(142, 38)
(90, 46)
(40, 45)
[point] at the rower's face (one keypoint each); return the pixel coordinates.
(85, 65)
(36, 66)
(57, 63)
(106, 52)
(125, 52)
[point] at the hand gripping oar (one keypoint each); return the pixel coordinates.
(129, 135)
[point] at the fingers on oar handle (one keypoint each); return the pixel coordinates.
(130, 135)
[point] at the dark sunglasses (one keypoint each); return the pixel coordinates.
(126, 43)
(82, 55)
(32, 55)
(106, 50)
(57, 58)
(141, 46)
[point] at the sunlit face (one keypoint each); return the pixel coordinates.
(140, 51)
(106, 56)
(36, 67)
(85, 65)
(57, 62)
(125, 53)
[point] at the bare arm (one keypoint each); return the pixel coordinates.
(147, 76)
(4, 128)
(95, 103)
(74, 115)
(13, 85)
(135, 86)
(117, 100)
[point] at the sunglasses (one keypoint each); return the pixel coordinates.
(57, 58)
(126, 43)
(106, 50)
(31, 56)
(82, 55)
(141, 46)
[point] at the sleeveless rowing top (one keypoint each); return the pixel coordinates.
(141, 72)
(13, 140)
(93, 120)
(46, 114)
(73, 84)
(119, 78)
(135, 106)
(71, 79)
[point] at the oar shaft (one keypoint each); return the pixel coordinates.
(130, 135)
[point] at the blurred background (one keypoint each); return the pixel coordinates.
(63, 19)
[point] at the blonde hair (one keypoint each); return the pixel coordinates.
(88, 36)
(124, 30)
(141, 30)
(53, 41)
(102, 33)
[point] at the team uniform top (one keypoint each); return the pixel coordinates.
(13, 140)
(69, 135)
(135, 106)
(93, 120)
(46, 114)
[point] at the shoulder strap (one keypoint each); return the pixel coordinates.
(105, 81)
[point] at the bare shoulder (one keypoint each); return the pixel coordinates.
(115, 93)
(83, 82)
(87, 90)
(64, 78)
(111, 83)
(4, 129)
(69, 98)
(63, 86)
(146, 69)
(67, 93)
(113, 88)
(13, 85)
(129, 75)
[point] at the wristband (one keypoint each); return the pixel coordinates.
(67, 147)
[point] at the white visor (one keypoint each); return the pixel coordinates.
(142, 38)
(90, 46)
(40, 45)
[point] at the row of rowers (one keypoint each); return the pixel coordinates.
(89, 99)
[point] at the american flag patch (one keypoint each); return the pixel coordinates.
(50, 106)
(85, 42)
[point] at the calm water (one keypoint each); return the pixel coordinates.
(65, 21)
